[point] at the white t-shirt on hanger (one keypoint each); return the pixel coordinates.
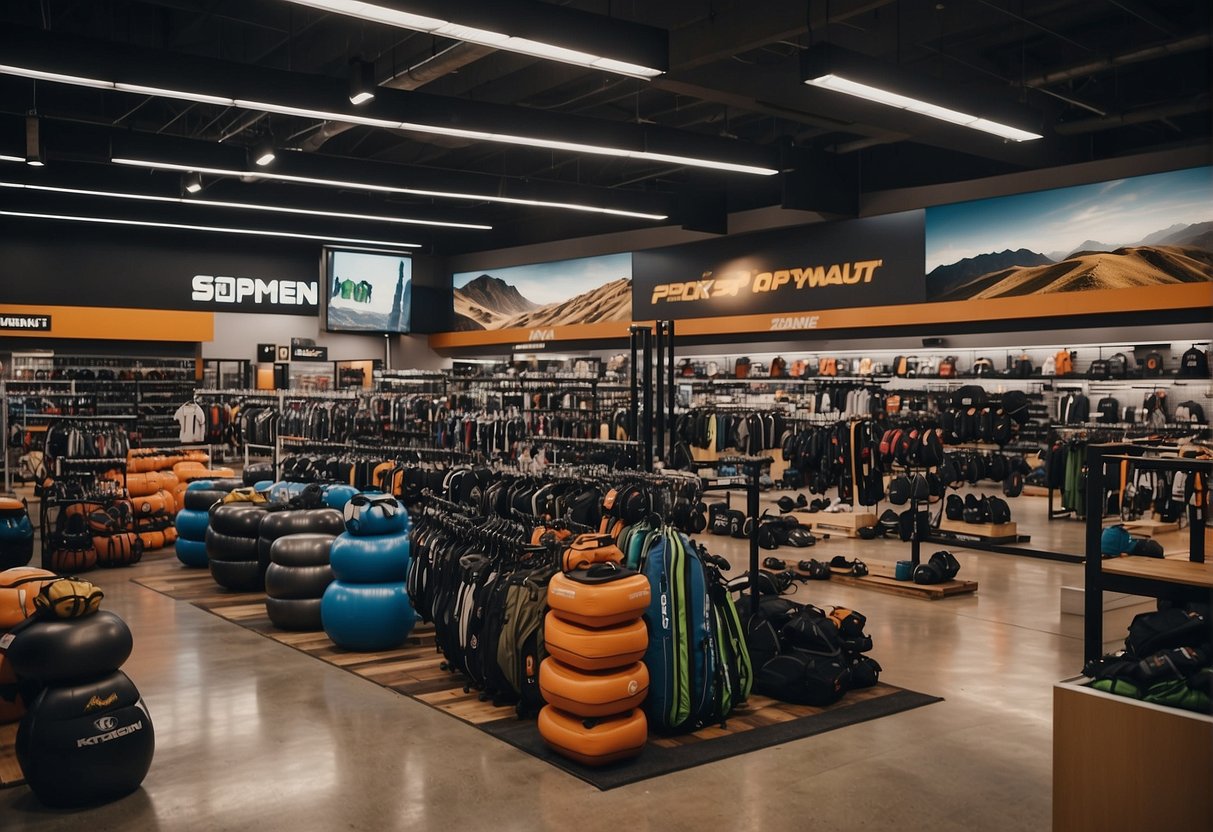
(192, 420)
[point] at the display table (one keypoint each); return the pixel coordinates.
(1120, 765)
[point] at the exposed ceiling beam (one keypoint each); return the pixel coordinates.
(1141, 115)
(746, 27)
(1201, 40)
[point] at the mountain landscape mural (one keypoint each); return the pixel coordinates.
(983, 252)
(565, 293)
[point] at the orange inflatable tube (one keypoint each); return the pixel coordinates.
(191, 474)
(598, 604)
(609, 740)
(18, 588)
(188, 465)
(587, 648)
(593, 693)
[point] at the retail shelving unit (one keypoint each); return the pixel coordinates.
(1169, 578)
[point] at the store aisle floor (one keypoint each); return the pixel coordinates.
(254, 735)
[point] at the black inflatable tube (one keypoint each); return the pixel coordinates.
(297, 582)
(242, 576)
(296, 614)
(257, 472)
(238, 519)
(229, 548)
(312, 520)
(302, 550)
(63, 650)
(202, 499)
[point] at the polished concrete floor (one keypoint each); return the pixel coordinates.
(252, 735)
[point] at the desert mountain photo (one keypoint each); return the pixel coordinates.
(490, 303)
(1178, 254)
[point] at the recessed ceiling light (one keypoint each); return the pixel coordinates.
(391, 189)
(207, 228)
(194, 177)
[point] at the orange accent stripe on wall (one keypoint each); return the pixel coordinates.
(116, 323)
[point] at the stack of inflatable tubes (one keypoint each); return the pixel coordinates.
(296, 580)
(192, 474)
(194, 517)
(86, 736)
(142, 460)
(231, 546)
(594, 679)
(16, 533)
(281, 522)
(19, 587)
(367, 608)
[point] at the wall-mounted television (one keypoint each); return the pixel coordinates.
(367, 290)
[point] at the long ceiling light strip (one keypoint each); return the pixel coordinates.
(837, 83)
(354, 118)
(4, 158)
(483, 37)
(245, 206)
(390, 189)
(208, 228)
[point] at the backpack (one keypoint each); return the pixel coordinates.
(778, 367)
(947, 367)
(741, 368)
(828, 367)
(1099, 369)
(1118, 366)
(1150, 632)
(736, 673)
(1154, 365)
(816, 674)
(520, 648)
(682, 658)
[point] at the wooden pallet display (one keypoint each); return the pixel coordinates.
(880, 578)
(10, 771)
(846, 523)
(1150, 528)
(992, 531)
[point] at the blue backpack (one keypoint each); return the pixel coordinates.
(682, 658)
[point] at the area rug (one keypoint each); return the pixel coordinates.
(416, 670)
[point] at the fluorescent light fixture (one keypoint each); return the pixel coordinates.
(390, 189)
(4, 158)
(471, 34)
(208, 228)
(362, 82)
(369, 121)
(263, 151)
(194, 176)
(913, 105)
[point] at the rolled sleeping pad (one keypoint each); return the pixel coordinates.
(370, 560)
(191, 524)
(161, 502)
(367, 617)
(593, 693)
(141, 485)
(336, 496)
(85, 744)
(588, 648)
(65, 650)
(122, 549)
(598, 604)
(192, 553)
(19, 586)
(192, 474)
(185, 466)
(73, 559)
(594, 742)
(257, 472)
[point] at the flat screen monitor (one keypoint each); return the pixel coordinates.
(367, 291)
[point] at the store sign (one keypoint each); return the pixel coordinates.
(305, 349)
(854, 263)
(25, 323)
(112, 268)
(208, 288)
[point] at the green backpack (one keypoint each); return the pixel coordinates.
(520, 648)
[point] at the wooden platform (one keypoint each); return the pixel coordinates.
(1160, 569)
(1150, 528)
(880, 578)
(845, 523)
(10, 772)
(983, 530)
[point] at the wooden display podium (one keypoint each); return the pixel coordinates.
(1120, 765)
(845, 523)
(993, 531)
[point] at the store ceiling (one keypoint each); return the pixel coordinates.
(1099, 78)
